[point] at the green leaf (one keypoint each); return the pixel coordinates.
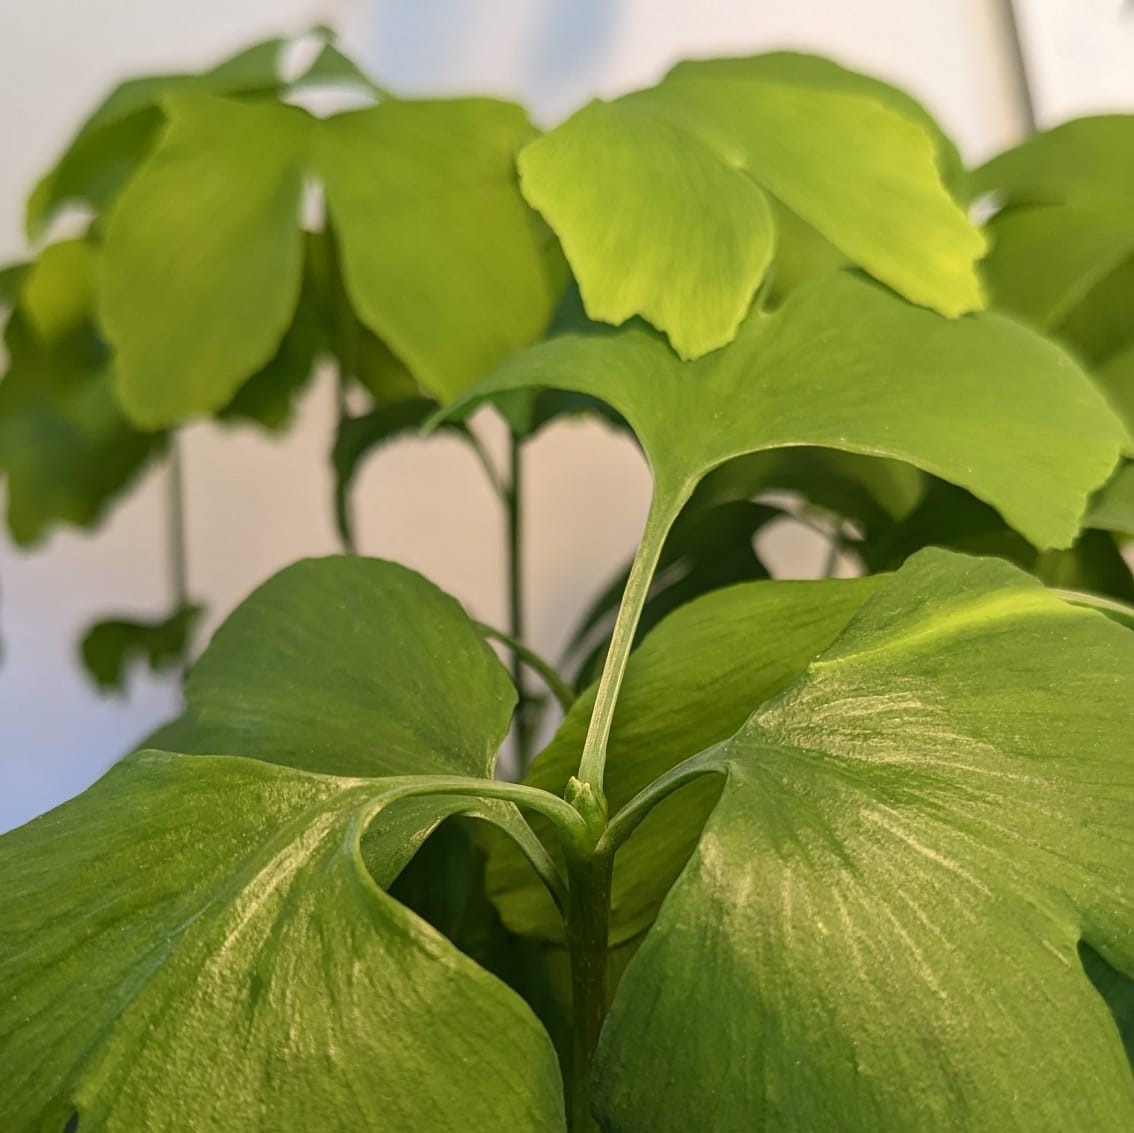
(816, 71)
(622, 185)
(910, 844)
(110, 647)
(690, 684)
(196, 942)
(1116, 378)
(66, 450)
(122, 132)
(332, 68)
(440, 256)
(446, 269)
(247, 970)
(347, 666)
(1063, 244)
(1087, 159)
(198, 287)
(844, 365)
(1112, 506)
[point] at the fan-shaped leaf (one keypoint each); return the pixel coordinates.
(910, 845)
(844, 365)
(621, 184)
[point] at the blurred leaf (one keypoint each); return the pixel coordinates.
(950, 517)
(441, 257)
(622, 185)
(1063, 242)
(446, 269)
(199, 287)
(65, 448)
(1112, 506)
(1084, 160)
(845, 365)
(11, 281)
(110, 647)
(690, 684)
(332, 68)
(121, 133)
(936, 812)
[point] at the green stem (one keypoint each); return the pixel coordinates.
(556, 685)
(513, 508)
(1020, 75)
(588, 925)
(178, 548)
(627, 820)
(663, 510)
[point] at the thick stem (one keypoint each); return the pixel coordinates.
(513, 507)
(588, 923)
(663, 511)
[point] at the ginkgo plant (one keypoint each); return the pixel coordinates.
(849, 854)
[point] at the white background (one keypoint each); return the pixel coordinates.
(255, 503)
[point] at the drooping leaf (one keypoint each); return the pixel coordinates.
(111, 646)
(198, 287)
(347, 666)
(621, 184)
(440, 256)
(443, 267)
(844, 365)
(122, 132)
(196, 943)
(911, 842)
(690, 684)
(203, 941)
(66, 450)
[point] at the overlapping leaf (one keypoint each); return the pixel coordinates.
(439, 254)
(1063, 242)
(110, 646)
(910, 845)
(66, 450)
(690, 684)
(222, 907)
(844, 365)
(623, 183)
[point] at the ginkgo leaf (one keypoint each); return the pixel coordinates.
(843, 364)
(196, 942)
(349, 666)
(111, 144)
(1063, 241)
(880, 927)
(690, 684)
(439, 255)
(110, 646)
(621, 184)
(203, 941)
(66, 450)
